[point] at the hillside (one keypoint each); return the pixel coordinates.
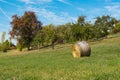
(58, 64)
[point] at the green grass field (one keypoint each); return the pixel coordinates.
(58, 64)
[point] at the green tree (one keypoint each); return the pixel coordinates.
(60, 29)
(3, 36)
(68, 35)
(51, 31)
(117, 28)
(87, 32)
(46, 35)
(39, 39)
(5, 46)
(105, 24)
(77, 28)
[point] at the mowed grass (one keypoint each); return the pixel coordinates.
(58, 64)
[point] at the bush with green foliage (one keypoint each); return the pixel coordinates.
(20, 47)
(5, 46)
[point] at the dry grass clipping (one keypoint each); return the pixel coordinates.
(81, 49)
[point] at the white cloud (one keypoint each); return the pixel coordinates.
(111, 8)
(52, 17)
(64, 14)
(35, 1)
(45, 0)
(81, 9)
(27, 1)
(29, 8)
(9, 3)
(114, 10)
(65, 2)
(4, 13)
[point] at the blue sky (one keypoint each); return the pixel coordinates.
(56, 11)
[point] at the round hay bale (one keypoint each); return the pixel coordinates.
(81, 49)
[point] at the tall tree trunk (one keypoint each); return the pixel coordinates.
(38, 45)
(52, 45)
(42, 44)
(28, 46)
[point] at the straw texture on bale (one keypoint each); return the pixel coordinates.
(81, 49)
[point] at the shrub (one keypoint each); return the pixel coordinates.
(5, 46)
(20, 47)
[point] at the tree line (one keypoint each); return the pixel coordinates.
(30, 33)
(77, 31)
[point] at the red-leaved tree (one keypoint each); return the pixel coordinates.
(24, 28)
